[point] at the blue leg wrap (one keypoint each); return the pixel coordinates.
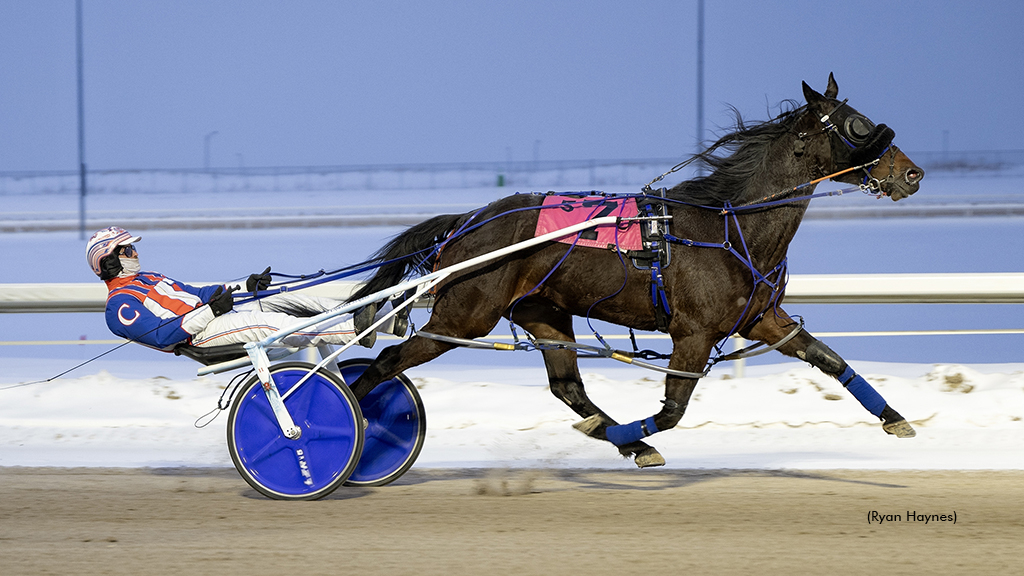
(862, 391)
(628, 433)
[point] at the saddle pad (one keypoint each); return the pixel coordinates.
(573, 210)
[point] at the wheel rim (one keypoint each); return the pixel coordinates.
(394, 434)
(315, 463)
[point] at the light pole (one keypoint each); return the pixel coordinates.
(206, 149)
(700, 76)
(81, 121)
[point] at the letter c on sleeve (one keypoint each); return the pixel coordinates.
(126, 321)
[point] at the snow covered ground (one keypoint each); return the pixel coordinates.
(778, 416)
(136, 407)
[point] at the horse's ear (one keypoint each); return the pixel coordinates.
(811, 96)
(832, 90)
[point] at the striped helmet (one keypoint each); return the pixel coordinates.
(104, 243)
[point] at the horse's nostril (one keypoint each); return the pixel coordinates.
(914, 175)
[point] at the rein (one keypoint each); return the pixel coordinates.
(768, 201)
(775, 279)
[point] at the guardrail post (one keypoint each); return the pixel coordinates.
(739, 366)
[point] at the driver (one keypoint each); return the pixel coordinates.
(161, 313)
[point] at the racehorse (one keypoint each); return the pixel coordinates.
(730, 278)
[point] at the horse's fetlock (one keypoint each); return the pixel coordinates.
(626, 434)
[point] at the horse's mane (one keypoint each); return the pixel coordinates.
(731, 174)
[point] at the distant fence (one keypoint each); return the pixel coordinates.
(590, 173)
(560, 174)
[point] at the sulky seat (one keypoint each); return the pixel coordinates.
(209, 355)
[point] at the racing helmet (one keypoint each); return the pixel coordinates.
(106, 242)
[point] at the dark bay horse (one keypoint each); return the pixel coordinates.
(711, 293)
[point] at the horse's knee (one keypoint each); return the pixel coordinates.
(823, 358)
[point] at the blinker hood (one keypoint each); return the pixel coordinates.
(877, 142)
(856, 140)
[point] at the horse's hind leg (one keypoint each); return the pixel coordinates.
(688, 355)
(395, 359)
(454, 315)
(546, 321)
(774, 327)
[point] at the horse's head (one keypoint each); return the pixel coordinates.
(858, 143)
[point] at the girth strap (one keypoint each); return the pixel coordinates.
(655, 256)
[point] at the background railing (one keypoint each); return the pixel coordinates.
(962, 288)
(969, 288)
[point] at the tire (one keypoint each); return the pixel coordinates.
(395, 431)
(316, 463)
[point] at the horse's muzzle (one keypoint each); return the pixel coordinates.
(900, 188)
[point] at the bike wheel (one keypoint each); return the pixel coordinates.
(314, 464)
(396, 427)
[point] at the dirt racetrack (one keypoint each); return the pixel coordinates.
(208, 521)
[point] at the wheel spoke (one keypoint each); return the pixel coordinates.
(272, 447)
(394, 412)
(323, 432)
(299, 402)
(382, 434)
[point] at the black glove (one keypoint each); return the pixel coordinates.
(221, 301)
(259, 281)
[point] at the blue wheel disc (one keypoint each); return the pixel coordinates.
(396, 427)
(311, 466)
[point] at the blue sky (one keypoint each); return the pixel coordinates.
(328, 83)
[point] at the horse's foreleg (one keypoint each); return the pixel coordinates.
(773, 328)
(547, 321)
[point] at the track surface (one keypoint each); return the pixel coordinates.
(203, 521)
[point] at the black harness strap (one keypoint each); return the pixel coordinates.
(655, 256)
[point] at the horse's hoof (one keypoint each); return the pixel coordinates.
(900, 428)
(589, 424)
(648, 457)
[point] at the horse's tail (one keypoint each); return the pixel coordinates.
(408, 252)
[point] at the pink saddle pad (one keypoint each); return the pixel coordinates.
(571, 211)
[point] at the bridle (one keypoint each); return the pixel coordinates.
(857, 141)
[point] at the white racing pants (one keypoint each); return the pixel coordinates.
(254, 321)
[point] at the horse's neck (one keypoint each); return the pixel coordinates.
(769, 231)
